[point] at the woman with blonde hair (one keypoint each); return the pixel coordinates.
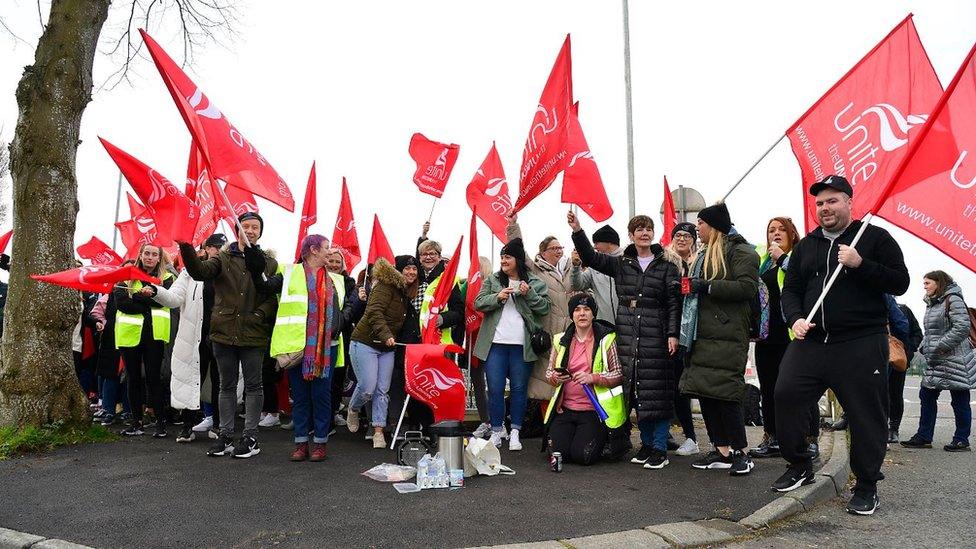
(142, 329)
(715, 332)
(684, 243)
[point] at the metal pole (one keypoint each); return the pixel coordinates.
(118, 198)
(756, 163)
(681, 203)
(833, 277)
(631, 196)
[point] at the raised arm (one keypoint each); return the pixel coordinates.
(199, 270)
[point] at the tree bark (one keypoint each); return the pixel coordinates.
(37, 380)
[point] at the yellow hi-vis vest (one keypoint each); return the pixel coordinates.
(128, 328)
(425, 309)
(290, 322)
(610, 398)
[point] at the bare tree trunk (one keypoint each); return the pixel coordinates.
(37, 378)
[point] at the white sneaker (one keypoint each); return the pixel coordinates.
(379, 440)
(352, 420)
(482, 430)
(514, 444)
(339, 420)
(688, 448)
(269, 420)
(204, 425)
(498, 436)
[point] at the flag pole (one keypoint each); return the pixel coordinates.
(833, 277)
(431, 215)
(628, 104)
(756, 163)
(118, 198)
(400, 421)
(230, 208)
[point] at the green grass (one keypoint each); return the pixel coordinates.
(14, 441)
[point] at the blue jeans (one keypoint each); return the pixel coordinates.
(930, 408)
(110, 390)
(312, 400)
(654, 433)
(374, 370)
(507, 362)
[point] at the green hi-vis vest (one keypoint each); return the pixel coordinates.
(610, 398)
(425, 309)
(290, 323)
(780, 279)
(128, 328)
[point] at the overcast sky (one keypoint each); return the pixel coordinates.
(347, 83)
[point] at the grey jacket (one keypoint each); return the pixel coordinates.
(950, 360)
(603, 288)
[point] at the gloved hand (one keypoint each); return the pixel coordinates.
(674, 288)
(254, 260)
(699, 286)
(5, 262)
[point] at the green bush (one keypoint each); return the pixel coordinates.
(14, 441)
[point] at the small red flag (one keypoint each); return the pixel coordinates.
(95, 278)
(434, 163)
(473, 317)
(137, 231)
(379, 246)
(231, 157)
(198, 179)
(435, 380)
(546, 153)
(242, 200)
(5, 240)
(487, 194)
(344, 235)
(431, 334)
(99, 253)
(309, 213)
(582, 184)
(670, 215)
(135, 207)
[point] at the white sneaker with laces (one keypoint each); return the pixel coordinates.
(688, 448)
(482, 430)
(204, 425)
(379, 440)
(514, 444)
(498, 436)
(352, 420)
(269, 420)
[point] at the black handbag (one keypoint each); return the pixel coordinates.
(541, 341)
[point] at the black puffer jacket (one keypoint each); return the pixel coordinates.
(648, 314)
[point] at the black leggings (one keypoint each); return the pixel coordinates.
(579, 436)
(896, 397)
(682, 403)
(725, 422)
(768, 358)
(149, 355)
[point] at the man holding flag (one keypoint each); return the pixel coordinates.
(844, 346)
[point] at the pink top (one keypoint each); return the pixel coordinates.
(580, 360)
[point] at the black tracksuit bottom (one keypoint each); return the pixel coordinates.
(856, 371)
(769, 356)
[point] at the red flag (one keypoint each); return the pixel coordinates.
(435, 380)
(344, 235)
(670, 215)
(95, 278)
(473, 317)
(487, 194)
(135, 232)
(434, 163)
(546, 153)
(431, 334)
(379, 246)
(243, 201)
(198, 179)
(860, 128)
(309, 213)
(135, 207)
(931, 194)
(175, 215)
(230, 156)
(582, 184)
(5, 240)
(99, 253)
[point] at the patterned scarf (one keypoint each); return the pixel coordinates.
(689, 309)
(318, 327)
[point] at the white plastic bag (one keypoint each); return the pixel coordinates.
(482, 458)
(388, 472)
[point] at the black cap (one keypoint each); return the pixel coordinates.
(252, 215)
(835, 182)
(689, 228)
(217, 240)
(582, 298)
(606, 234)
(717, 217)
(404, 261)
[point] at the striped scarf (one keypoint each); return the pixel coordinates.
(318, 327)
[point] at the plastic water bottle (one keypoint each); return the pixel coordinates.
(424, 472)
(438, 472)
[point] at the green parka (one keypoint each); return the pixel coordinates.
(533, 306)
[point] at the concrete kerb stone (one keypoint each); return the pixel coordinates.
(12, 539)
(694, 534)
(838, 467)
(58, 544)
(638, 539)
(552, 544)
(774, 511)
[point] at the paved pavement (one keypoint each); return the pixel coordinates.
(928, 499)
(153, 493)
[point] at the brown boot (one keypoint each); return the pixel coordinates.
(318, 452)
(301, 452)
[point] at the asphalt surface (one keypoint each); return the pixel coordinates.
(928, 498)
(157, 493)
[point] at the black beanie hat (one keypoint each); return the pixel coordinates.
(606, 234)
(717, 216)
(686, 227)
(252, 215)
(404, 261)
(514, 248)
(217, 240)
(582, 298)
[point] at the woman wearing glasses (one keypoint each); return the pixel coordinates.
(684, 243)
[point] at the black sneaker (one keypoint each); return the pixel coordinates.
(957, 446)
(160, 430)
(767, 449)
(135, 430)
(741, 464)
(223, 447)
(793, 478)
(863, 503)
(892, 436)
(107, 420)
(713, 460)
(186, 434)
(246, 447)
(916, 442)
(657, 460)
(814, 450)
(98, 415)
(642, 455)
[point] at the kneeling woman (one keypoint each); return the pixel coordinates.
(584, 355)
